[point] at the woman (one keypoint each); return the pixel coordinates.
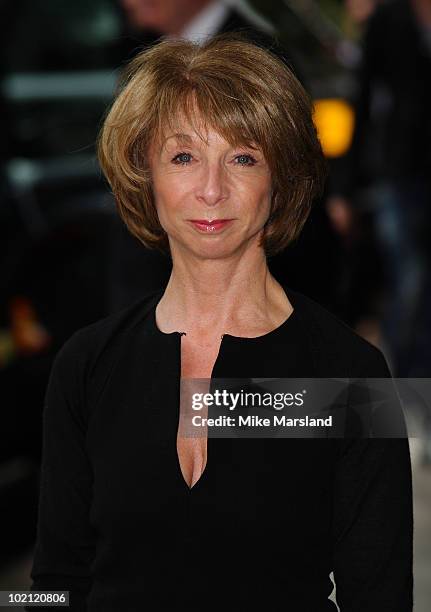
(211, 152)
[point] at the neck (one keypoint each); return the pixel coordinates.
(209, 297)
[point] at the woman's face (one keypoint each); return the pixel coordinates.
(208, 181)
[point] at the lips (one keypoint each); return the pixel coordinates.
(210, 226)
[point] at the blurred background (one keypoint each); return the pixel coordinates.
(66, 259)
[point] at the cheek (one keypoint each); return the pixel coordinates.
(168, 188)
(256, 196)
(170, 198)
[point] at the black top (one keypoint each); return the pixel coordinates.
(267, 521)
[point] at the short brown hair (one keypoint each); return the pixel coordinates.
(245, 93)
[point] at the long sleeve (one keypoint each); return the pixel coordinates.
(65, 539)
(373, 520)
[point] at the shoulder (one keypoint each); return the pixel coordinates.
(83, 365)
(97, 343)
(339, 350)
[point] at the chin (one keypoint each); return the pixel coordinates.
(210, 248)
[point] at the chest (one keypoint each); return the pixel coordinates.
(196, 362)
(133, 435)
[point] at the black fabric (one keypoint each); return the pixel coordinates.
(267, 521)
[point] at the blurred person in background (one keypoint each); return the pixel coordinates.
(388, 170)
(135, 268)
(360, 10)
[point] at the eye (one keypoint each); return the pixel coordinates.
(246, 157)
(182, 162)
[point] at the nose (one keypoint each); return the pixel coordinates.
(212, 186)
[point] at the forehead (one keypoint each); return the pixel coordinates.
(187, 126)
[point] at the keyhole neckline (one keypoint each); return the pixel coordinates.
(230, 337)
